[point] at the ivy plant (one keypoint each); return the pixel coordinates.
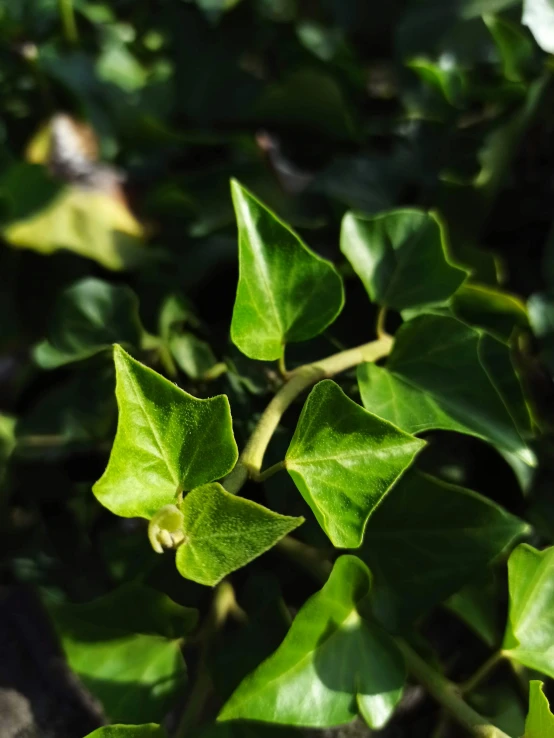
(276, 412)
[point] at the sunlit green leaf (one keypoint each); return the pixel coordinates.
(401, 258)
(529, 636)
(286, 293)
(224, 532)
(540, 720)
(90, 316)
(119, 646)
(487, 307)
(167, 441)
(344, 460)
(335, 662)
(427, 540)
(150, 730)
(446, 375)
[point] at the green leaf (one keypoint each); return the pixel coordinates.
(90, 316)
(498, 312)
(344, 460)
(150, 730)
(224, 532)
(194, 356)
(401, 258)
(125, 647)
(538, 16)
(476, 604)
(541, 317)
(540, 721)
(427, 540)
(166, 442)
(90, 223)
(335, 662)
(530, 628)
(514, 46)
(442, 374)
(286, 293)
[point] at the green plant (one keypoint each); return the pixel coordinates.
(412, 540)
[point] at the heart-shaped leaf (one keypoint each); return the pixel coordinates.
(540, 721)
(529, 636)
(119, 646)
(166, 442)
(446, 375)
(334, 663)
(286, 292)
(90, 316)
(344, 460)
(150, 730)
(224, 532)
(427, 540)
(401, 258)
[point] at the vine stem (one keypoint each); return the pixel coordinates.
(470, 684)
(67, 15)
(448, 695)
(224, 604)
(251, 459)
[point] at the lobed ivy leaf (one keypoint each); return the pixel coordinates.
(443, 374)
(224, 532)
(427, 540)
(334, 663)
(166, 442)
(286, 292)
(344, 460)
(529, 635)
(150, 730)
(125, 647)
(401, 258)
(540, 720)
(90, 317)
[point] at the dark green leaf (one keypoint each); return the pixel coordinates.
(286, 293)
(167, 441)
(401, 258)
(333, 663)
(540, 721)
(113, 645)
(446, 375)
(427, 540)
(530, 628)
(487, 307)
(476, 605)
(90, 316)
(344, 460)
(224, 532)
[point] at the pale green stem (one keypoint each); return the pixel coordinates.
(270, 471)
(381, 320)
(67, 15)
(482, 672)
(448, 695)
(251, 459)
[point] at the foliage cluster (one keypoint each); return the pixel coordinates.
(325, 473)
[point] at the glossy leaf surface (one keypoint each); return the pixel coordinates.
(224, 532)
(344, 460)
(427, 540)
(401, 258)
(540, 721)
(167, 441)
(150, 730)
(529, 636)
(333, 663)
(445, 375)
(90, 316)
(286, 292)
(125, 647)
(496, 311)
